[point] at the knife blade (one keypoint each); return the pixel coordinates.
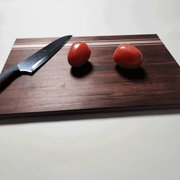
(34, 61)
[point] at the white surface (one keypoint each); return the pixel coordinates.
(136, 145)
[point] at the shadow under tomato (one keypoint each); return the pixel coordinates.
(82, 71)
(138, 74)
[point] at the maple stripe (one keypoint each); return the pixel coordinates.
(101, 43)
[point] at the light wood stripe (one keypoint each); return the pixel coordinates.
(100, 43)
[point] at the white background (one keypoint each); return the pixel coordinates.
(130, 146)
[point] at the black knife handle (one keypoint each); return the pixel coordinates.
(10, 74)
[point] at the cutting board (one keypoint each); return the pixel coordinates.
(98, 86)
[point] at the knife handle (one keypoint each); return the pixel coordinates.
(10, 74)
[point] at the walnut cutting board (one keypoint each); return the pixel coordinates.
(99, 86)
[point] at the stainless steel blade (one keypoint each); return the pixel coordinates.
(33, 62)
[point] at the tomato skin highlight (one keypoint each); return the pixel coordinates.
(78, 54)
(128, 56)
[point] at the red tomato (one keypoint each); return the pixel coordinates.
(78, 54)
(128, 56)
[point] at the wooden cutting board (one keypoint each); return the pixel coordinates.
(99, 86)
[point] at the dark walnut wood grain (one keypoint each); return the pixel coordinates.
(99, 86)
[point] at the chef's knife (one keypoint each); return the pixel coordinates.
(34, 61)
